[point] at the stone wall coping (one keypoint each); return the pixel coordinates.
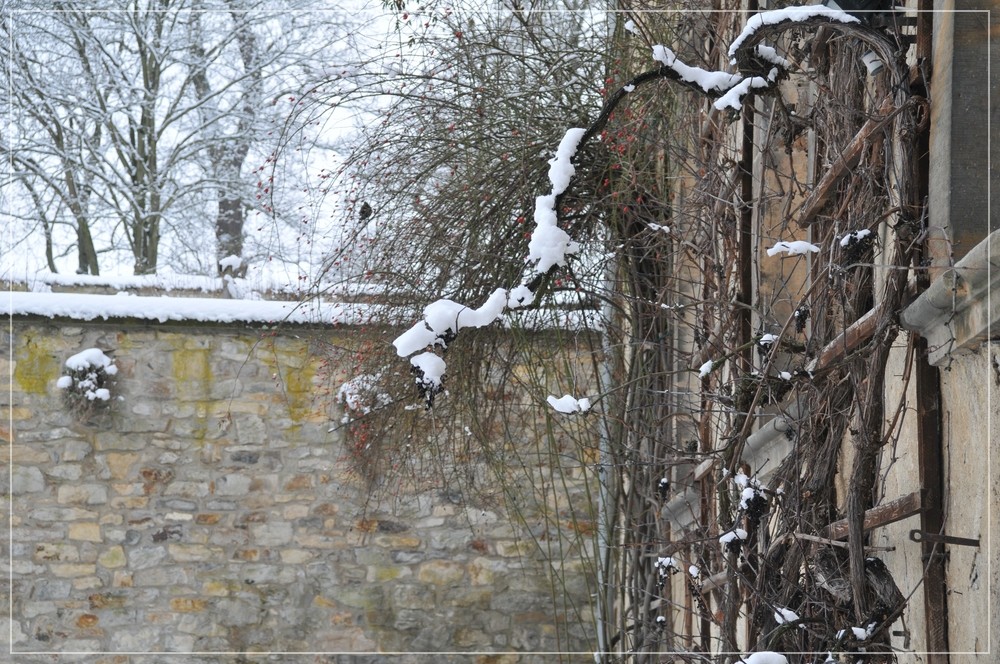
(162, 309)
(957, 311)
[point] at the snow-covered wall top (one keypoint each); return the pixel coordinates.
(164, 308)
(88, 307)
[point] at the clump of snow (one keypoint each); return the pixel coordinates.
(431, 369)
(856, 236)
(794, 247)
(231, 262)
(732, 535)
(859, 633)
(428, 370)
(561, 167)
(705, 369)
(733, 540)
(568, 404)
(694, 571)
(92, 358)
(628, 88)
(520, 296)
(768, 54)
(658, 227)
(783, 615)
(764, 657)
(630, 27)
(665, 566)
(549, 244)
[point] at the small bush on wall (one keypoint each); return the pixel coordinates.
(88, 386)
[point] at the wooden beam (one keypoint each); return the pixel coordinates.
(848, 159)
(849, 340)
(881, 515)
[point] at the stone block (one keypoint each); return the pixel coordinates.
(160, 576)
(136, 639)
(188, 604)
(178, 504)
(111, 440)
(87, 583)
(381, 574)
(237, 612)
(69, 472)
(26, 479)
(298, 513)
(217, 588)
(189, 553)
(120, 463)
(271, 534)
(82, 494)
(74, 450)
(112, 558)
(56, 552)
(361, 596)
(29, 454)
(441, 573)
(61, 514)
(69, 570)
(482, 571)
(233, 484)
(296, 556)
(186, 489)
(465, 637)
(473, 598)
(398, 541)
(51, 589)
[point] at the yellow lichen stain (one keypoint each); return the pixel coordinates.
(191, 369)
(36, 366)
(297, 389)
(192, 382)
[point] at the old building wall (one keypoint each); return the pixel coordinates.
(214, 510)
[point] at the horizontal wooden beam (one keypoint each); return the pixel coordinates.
(849, 340)
(848, 159)
(881, 515)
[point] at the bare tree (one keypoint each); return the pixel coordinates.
(131, 123)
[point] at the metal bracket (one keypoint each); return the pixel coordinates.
(922, 536)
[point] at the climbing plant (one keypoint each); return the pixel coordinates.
(727, 240)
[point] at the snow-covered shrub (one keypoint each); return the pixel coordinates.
(88, 385)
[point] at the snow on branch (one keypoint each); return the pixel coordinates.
(569, 404)
(788, 14)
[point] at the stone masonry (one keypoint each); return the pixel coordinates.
(213, 512)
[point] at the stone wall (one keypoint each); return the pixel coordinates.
(212, 511)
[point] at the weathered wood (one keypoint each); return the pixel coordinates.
(849, 340)
(881, 515)
(848, 159)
